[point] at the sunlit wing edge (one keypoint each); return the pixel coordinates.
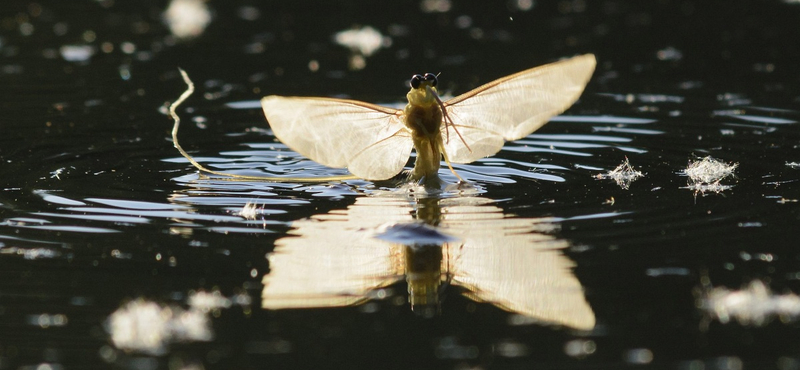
(514, 106)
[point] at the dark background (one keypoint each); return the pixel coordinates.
(687, 65)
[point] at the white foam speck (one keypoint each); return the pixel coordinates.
(187, 18)
(623, 175)
(77, 53)
(705, 175)
(365, 41)
(148, 327)
(754, 305)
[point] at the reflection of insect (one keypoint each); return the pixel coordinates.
(346, 257)
(374, 142)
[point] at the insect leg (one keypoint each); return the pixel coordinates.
(447, 160)
(447, 120)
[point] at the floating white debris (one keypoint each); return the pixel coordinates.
(30, 253)
(754, 305)
(794, 165)
(702, 188)
(705, 175)
(639, 356)
(669, 54)
(248, 13)
(148, 327)
(709, 170)
(187, 19)
(435, 6)
(667, 271)
(511, 349)
(580, 348)
(365, 41)
(249, 211)
(623, 175)
(522, 5)
(77, 53)
(205, 301)
(46, 320)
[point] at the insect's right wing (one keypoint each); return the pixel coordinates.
(506, 263)
(512, 107)
(370, 140)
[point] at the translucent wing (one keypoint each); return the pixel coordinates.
(514, 106)
(370, 140)
(312, 271)
(508, 262)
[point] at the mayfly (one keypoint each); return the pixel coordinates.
(374, 142)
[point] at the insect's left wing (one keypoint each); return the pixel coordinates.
(334, 259)
(370, 140)
(512, 107)
(312, 271)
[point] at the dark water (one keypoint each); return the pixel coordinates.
(114, 252)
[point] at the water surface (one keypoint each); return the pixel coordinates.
(107, 233)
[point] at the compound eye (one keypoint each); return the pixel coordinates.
(430, 77)
(416, 80)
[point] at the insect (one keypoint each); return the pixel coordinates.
(375, 142)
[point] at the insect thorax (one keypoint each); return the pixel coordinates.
(423, 119)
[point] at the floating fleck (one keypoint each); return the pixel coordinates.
(57, 173)
(509, 348)
(580, 348)
(522, 5)
(754, 305)
(365, 40)
(705, 175)
(148, 327)
(187, 19)
(623, 175)
(709, 170)
(248, 13)
(703, 188)
(638, 356)
(205, 301)
(750, 224)
(435, 6)
(249, 211)
(669, 54)
(30, 253)
(77, 53)
(46, 320)
(667, 271)
(794, 165)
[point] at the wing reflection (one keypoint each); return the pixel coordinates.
(343, 257)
